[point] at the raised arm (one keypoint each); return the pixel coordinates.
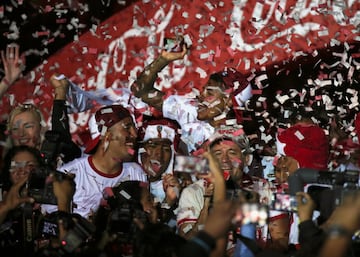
(218, 199)
(59, 116)
(144, 85)
(60, 119)
(12, 67)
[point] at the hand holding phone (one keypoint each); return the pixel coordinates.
(306, 206)
(174, 45)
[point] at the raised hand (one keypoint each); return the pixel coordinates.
(306, 206)
(172, 188)
(60, 85)
(12, 63)
(172, 56)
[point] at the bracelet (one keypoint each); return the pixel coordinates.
(338, 231)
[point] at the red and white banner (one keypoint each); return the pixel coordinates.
(249, 35)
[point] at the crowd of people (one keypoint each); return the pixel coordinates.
(127, 194)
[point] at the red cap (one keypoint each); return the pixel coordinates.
(306, 143)
(105, 118)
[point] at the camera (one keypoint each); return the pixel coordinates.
(50, 147)
(78, 230)
(114, 220)
(55, 149)
(191, 164)
(40, 187)
(124, 202)
(121, 222)
(81, 231)
(326, 188)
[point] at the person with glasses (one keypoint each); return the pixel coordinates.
(20, 163)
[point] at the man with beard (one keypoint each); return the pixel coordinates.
(108, 164)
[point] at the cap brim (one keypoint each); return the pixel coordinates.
(277, 215)
(91, 145)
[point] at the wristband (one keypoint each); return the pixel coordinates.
(335, 231)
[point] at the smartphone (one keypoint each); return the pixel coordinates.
(284, 202)
(191, 164)
(173, 45)
(253, 213)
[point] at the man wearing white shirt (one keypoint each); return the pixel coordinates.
(108, 162)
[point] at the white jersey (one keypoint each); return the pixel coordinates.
(184, 110)
(90, 183)
(191, 203)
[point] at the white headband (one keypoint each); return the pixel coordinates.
(159, 131)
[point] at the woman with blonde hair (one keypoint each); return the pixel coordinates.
(26, 125)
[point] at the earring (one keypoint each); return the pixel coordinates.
(106, 145)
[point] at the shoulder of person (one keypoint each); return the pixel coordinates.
(133, 165)
(73, 166)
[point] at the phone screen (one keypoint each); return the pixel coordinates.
(49, 229)
(173, 45)
(254, 213)
(191, 164)
(284, 202)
